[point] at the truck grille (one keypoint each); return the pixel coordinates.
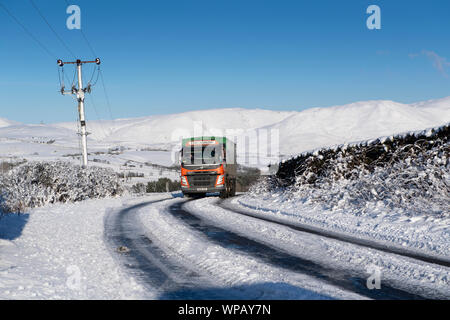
(202, 180)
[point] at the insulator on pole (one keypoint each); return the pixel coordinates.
(80, 93)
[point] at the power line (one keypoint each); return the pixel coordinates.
(56, 34)
(31, 35)
(34, 37)
(61, 83)
(84, 36)
(98, 116)
(51, 28)
(106, 94)
(161, 167)
(99, 70)
(28, 32)
(88, 43)
(80, 95)
(92, 77)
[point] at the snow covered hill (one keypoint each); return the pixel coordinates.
(164, 128)
(299, 131)
(321, 127)
(6, 122)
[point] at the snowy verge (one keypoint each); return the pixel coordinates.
(419, 277)
(423, 234)
(58, 252)
(392, 190)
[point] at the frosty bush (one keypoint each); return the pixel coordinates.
(264, 185)
(163, 185)
(138, 188)
(409, 173)
(38, 183)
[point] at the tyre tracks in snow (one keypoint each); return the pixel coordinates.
(158, 269)
(281, 259)
(340, 237)
(146, 261)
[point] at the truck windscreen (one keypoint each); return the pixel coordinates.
(209, 154)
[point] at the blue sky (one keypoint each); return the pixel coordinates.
(173, 56)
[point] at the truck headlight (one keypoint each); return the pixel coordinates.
(220, 180)
(184, 181)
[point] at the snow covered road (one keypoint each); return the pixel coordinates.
(193, 267)
(167, 247)
(227, 250)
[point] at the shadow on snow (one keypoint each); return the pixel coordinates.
(12, 225)
(258, 291)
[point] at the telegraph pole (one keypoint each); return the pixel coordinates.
(80, 92)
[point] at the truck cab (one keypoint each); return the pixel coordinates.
(208, 165)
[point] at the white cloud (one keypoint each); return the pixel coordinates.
(440, 63)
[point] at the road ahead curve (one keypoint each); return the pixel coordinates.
(160, 268)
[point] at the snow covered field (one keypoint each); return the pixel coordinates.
(63, 252)
(155, 139)
(58, 252)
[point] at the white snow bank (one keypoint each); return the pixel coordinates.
(421, 233)
(58, 252)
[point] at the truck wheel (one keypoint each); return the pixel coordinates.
(227, 190)
(223, 194)
(233, 188)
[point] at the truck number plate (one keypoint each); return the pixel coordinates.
(202, 189)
